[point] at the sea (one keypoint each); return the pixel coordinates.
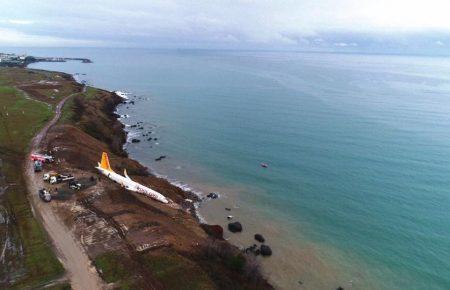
(356, 192)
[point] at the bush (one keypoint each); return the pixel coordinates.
(236, 263)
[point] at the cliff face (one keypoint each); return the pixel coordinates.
(134, 241)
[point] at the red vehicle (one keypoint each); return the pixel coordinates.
(42, 157)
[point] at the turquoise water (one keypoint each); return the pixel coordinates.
(358, 146)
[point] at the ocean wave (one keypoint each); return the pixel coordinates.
(121, 94)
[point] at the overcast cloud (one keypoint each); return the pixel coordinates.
(315, 24)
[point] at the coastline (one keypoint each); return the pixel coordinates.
(280, 273)
(276, 269)
(304, 190)
(115, 137)
(283, 273)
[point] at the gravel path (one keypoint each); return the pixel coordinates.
(80, 271)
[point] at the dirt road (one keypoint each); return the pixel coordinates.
(80, 271)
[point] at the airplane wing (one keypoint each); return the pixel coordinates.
(125, 174)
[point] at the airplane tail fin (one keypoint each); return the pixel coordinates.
(105, 162)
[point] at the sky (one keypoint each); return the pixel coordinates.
(308, 25)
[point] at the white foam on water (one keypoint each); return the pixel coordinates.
(121, 94)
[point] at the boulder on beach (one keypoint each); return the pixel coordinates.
(135, 140)
(265, 250)
(251, 249)
(228, 209)
(259, 238)
(235, 227)
(214, 231)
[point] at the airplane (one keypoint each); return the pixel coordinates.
(126, 182)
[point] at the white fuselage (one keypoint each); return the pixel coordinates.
(129, 184)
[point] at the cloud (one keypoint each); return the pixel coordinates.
(284, 23)
(344, 44)
(9, 37)
(16, 21)
(20, 21)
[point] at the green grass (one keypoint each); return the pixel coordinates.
(166, 266)
(20, 119)
(176, 272)
(118, 269)
(91, 92)
(39, 261)
(67, 112)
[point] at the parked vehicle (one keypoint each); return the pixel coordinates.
(45, 195)
(42, 157)
(48, 175)
(37, 166)
(75, 185)
(61, 178)
(54, 177)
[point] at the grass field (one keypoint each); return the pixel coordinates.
(170, 269)
(20, 118)
(30, 261)
(67, 114)
(176, 272)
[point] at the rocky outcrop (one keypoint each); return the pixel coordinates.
(214, 231)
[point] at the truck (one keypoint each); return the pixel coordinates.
(44, 158)
(53, 177)
(48, 175)
(61, 178)
(37, 165)
(45, 195)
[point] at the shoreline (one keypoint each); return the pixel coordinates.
(271, 270)
(214, 215)
(240, 241)
(109, 102)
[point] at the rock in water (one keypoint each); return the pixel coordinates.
(235, 227)
(160, 158)
(259, 238)
(135, 140)
(212, 195)
(266, 250)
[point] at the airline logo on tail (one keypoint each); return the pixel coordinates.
(105, 162)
